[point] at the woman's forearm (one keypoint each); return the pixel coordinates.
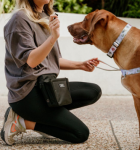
(68, 64)
(39, 54)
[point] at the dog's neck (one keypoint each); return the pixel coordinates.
(125, 54)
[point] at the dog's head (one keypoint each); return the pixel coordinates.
(91, 30)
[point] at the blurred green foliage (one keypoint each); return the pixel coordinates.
(72, 6)
(124, 8)
(121, 8)
(117, 7)
(134, 10)
(6, 6)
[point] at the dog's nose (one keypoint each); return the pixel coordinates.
(69, 28)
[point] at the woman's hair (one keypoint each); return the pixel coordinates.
(31, 11)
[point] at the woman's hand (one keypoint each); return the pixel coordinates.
(88, 65)
(75, 65)
(54, 26)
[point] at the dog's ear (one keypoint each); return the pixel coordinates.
(98, 17)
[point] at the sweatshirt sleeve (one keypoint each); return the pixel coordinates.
(20, 44)
(19, 38)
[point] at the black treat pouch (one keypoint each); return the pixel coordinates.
(55, 91)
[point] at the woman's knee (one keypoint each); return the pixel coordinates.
(96, 93)
(99, 93)
(82, 135)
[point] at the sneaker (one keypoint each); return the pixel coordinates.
(11, 126)
(44, 135)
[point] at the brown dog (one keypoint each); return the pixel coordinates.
(101, 28)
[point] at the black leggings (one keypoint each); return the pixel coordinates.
(59, 122)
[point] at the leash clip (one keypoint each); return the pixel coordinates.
(124, 76)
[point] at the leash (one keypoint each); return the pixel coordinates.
(114, 48)
(112, 51)
(124, 72)
(114, 69)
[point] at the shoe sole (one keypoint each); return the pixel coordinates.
(5, 119)
(44, 135)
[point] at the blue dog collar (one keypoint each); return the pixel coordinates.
(118, 41)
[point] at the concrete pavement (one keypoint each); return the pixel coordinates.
(112, 122)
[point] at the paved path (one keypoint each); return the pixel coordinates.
(112, 122)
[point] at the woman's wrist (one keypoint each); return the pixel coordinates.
(79, 65)
(52, 40)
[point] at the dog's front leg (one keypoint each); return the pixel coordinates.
(137, 107)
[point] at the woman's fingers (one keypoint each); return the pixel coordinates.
(94, 59)
(94, 62)
(90, 65)
(91, 68)
(54, 22)
(52, 17)
(55, 26)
